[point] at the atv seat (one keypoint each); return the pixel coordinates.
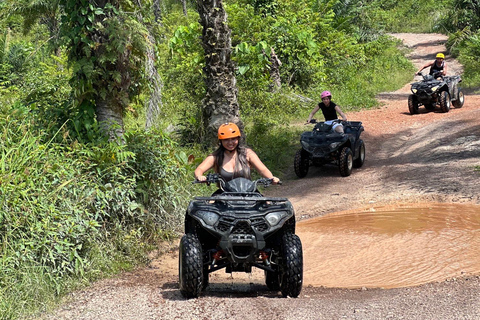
(353, 126)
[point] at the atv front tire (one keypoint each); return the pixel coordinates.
(412, 104)
(291, 278)
(357, 163)
(458, 103)
(190, 265)
(346, 162)
(301, 163)
(445, 101)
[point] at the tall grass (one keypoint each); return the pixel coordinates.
(70, 213)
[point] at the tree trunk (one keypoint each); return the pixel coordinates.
(157, 10)
(110, 105)
(184, 6)
(155, 100)
(110, 118)
(220, 104)
(275, 64)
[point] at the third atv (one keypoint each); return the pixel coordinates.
(436, 90)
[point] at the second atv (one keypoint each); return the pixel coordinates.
(322, 145)
(436, 90)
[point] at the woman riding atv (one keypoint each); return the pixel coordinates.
(232, 159)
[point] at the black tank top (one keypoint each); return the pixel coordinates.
(434, 68)
(328, 112)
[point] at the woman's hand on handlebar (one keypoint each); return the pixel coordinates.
(201, 178)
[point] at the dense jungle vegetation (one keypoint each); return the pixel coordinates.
(75, 206)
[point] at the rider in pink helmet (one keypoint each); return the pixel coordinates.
(325, 94)
(329, 110)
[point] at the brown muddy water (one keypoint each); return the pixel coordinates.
(388, 247)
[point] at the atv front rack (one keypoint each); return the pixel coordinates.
(241, 198)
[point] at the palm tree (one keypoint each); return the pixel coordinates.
(107, 49)
(220, 104)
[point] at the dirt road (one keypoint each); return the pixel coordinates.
(411, 160)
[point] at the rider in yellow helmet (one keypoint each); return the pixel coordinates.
(438, 65)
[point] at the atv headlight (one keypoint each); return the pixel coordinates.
(414, 90)
(208, 217)
(334, 145)
(274, 218)
(434, 89)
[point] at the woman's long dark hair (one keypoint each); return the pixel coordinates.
(242, 169)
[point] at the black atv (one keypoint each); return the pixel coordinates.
(436, 90)
(322, 145)
(236, 230)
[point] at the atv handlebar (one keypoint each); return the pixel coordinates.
(435, 75)
(314, 121)
(215, 177)
(211, 178)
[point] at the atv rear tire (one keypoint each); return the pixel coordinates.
(445, 101)
(357, 163)
(346, 162)
(412, 104)
(291, 278)
(458, 103)
(190, 265)
(301, 163)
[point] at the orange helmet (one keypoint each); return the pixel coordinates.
(228, 130)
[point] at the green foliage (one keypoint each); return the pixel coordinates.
(274, 142)
(292, 32)
(16, 60)
(280, 108)
(399, 16)
(252, 64)
(463, 42)
(106, 48)
(382, 67)
(466, 46)
(61, 200)
(181, 63)
(161, 171)
(464, 14)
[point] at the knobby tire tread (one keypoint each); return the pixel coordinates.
(358, 163)
(292, 276)
(301, 163)
(346, 157)
(190, 266)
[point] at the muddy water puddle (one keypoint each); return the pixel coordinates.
(391, 247)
